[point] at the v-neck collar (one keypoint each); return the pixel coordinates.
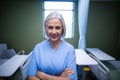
(58, 47)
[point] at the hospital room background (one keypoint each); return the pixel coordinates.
(21, 25)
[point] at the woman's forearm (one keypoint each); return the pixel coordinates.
(44, 76)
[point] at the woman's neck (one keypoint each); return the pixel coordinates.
(54, 45)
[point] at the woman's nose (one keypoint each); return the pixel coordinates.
(54, 30)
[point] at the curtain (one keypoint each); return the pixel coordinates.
(83, 7)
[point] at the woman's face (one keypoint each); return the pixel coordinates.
(54, 29)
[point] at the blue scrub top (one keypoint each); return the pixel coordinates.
(52, 62)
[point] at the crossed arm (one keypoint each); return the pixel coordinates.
(43, 76)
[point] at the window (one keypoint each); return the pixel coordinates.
(66, 9)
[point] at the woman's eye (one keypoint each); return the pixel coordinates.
(58, 27)
(50, 27)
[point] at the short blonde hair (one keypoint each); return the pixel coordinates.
(54, 15)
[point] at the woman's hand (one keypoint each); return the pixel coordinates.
(67, 72)
(63, 76)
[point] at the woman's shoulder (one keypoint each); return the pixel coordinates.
(41, 44)
(69, 48)
(67, 44)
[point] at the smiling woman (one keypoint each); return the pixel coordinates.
(54, 58)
